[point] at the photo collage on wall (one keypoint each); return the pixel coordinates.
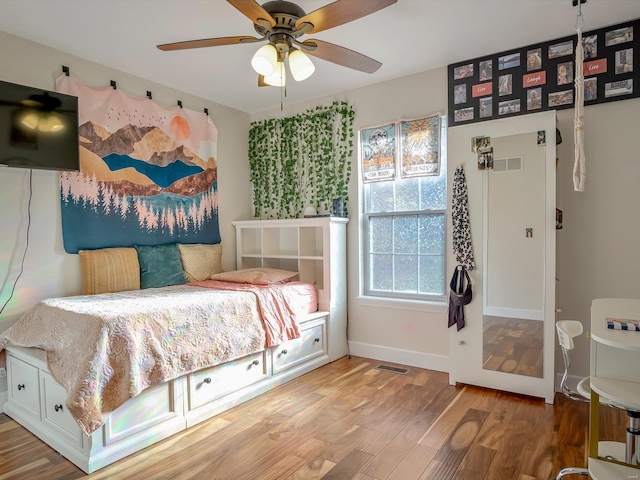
(541, 76)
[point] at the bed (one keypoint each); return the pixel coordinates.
(101, 376)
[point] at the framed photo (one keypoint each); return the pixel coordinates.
(534, 98)
(486, 70)
(590, 89)
(464, 71)
(565, 73)
(590, 46)
(505, 85)
(534, 59)
(615, 89)
(624, 61)
(561, 98)
(541, 138)
(561, 49)
(460, 94)
(480, 143)
(620, 35)
(486, 107)
(509, 106)
(485, 159)
(420, 141)
(378, 153)
(463, 115)
(509, 61)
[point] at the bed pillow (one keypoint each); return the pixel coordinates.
(256, 276)
(200, 261)
(109, 270)
(160, 265)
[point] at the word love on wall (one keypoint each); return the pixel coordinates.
(541, 76)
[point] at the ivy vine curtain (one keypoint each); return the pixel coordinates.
(301, 161)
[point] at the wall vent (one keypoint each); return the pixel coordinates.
(389, 368)
(508, 164)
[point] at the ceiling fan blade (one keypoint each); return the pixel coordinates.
(261, 81)
(341, 55)
(208, 42)
(341, 12)
(252, 10)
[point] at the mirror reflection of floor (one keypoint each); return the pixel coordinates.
(512, 345)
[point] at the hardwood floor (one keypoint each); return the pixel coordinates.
(349, 420)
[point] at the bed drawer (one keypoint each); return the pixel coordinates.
(55, 413)
(212, 383)
(312, 343)
(24, 386)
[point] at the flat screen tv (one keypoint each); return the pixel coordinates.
(38, 128)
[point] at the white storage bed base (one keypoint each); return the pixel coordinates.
(37, 402)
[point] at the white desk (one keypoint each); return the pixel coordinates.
(615, 373)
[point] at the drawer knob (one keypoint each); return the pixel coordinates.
(207, 380)
(255, 362)
(21, 386)
(284, 352)
(316, 340)
(58, 408)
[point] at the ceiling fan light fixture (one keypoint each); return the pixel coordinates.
(300, 64)
(265, 60)
(278, 78)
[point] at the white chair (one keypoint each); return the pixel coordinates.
(567, 330)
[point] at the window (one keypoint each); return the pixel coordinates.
(405, 235)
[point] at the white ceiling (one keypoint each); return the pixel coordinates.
(408, 37)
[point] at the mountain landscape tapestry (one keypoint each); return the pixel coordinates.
(148, 175)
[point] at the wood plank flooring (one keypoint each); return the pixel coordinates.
(349, 420)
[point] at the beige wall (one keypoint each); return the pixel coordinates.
(597, 255)
(416, 337)
(49, 271)
(597, 252)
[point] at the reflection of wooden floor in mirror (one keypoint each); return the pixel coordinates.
(513, 345)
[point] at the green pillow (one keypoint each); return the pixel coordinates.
(160, 265)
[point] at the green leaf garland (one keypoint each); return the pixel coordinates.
(301, 160)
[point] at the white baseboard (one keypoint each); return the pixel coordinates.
(429, 361)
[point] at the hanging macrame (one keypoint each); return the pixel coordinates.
(579, 169)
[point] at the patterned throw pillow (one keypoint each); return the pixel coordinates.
(256, 276)
(160, 265)
(109, 270)
(200, 261)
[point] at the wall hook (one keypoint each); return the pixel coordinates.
(65, 70)
(180, 103)
(206, 111)
(113, 84)
(149, 96)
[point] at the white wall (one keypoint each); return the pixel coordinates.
(49, 271)
(597, 252)
(515, 202)
(410, 336)
(598, 248)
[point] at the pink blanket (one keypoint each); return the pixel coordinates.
(276, 310)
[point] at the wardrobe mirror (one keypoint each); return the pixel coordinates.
(514, 256)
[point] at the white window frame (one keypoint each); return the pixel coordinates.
(415, 301)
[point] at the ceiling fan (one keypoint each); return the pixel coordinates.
(280, 23)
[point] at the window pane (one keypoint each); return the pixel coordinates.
(433, 191)
(405, 234)
(432, 274)
(405, 270)
(381, 235)
(381, 273)
(431, 234)
(381, 197)
(407, 195)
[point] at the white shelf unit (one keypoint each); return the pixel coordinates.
(315, 247)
